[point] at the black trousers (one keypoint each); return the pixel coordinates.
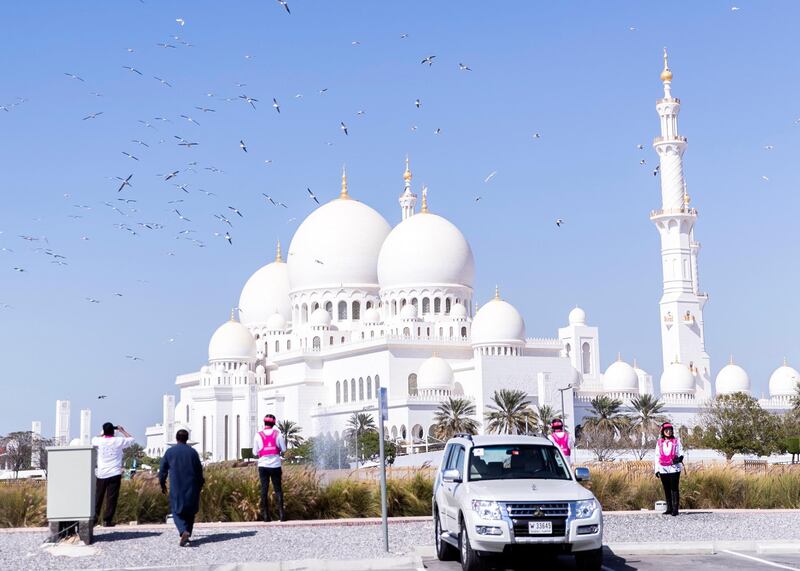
(265, 475)
(671, 483)
(106, 487)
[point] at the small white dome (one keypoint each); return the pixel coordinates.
(435, 373)
(319, 318)
(783, 381)
(372, 316)
(261, 370)
(577, 316)
(677, 379)
(458, 311)
(232, 341)
(337, 245)
(266, 292)
(498, 322)
(732, 379)
(409, 311)
(620, 377)
(276, 322)
(425, 249)
(204, 370)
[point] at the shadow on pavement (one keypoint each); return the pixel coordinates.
(217, 537)
(123, 535)
(615, 562)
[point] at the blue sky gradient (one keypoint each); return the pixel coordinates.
(577, 74)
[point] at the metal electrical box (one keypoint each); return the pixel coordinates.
(70, 483)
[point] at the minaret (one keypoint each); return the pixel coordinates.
(408, 200)
(682, 335)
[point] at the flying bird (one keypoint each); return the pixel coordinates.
(131, 69)
(228, 238)
(656, 170)
(125, 182)
(163, 81)
(102, 396)
(285, 6)
(133, 358)
(138, 142)
(180, 21)
(252, 101)
(276, 105)
(92, 300)
(559, 222)
(640, 146)
(206, 109)
(190, 120)
(311, 194)
(437, 131)
(242, 146)
(181, 216)
(490, 177)
(130, 156)
(418, 103)
(92, 115)
(268, 197)
(73, 76)
(463, 67)
(428, 60)
(343, 127)
(768, 147)
(171, 175)
(236, 210)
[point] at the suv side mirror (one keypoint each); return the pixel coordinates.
(582, 474)
(451, 476)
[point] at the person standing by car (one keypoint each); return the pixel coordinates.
(563, 439)
(109, 470)
(268, 445)
(667, 464)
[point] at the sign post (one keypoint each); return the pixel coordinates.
(383, 405)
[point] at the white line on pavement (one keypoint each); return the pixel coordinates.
(764, 561)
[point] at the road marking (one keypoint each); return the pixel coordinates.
(764, 561)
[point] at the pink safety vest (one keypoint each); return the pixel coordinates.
(666, 450)
(562, 441)
(269, 443)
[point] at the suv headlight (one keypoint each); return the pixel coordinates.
(586, 508)
(486, 509)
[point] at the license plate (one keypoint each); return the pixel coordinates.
(540, 527)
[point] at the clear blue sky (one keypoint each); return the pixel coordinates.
(575, 73)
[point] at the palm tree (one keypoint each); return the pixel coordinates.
(647, 414)
(454, 416)
(511, 412)
(291, 433)
(545, 414)
(606, 414)
(358, 425)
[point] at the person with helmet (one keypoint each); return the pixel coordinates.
(667, 464)
(563, 439)
(268, 445)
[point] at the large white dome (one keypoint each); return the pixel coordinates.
(425, 249)
(783, 381)
(677, 379)
(265, 293)
(338, 244)
(732, 379)
(620, 377)
(498, 322)
(232, 341)
(435, 373)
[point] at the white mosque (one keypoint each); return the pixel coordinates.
(357, 305)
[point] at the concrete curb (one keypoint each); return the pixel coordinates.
(378, 564)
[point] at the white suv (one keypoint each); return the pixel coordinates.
(501, 495)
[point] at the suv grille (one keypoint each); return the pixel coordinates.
(523, 512)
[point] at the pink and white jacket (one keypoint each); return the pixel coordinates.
(666, 449)
(565, 442)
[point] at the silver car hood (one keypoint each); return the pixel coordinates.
(528, 490)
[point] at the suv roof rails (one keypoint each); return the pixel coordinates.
(466, 435)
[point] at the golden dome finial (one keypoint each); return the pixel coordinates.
(344, 194)
(785, 362)
(731, 360)
(407, 174)
(666, 73)
(619, 356)
(424, 207)
(278, 256)
(497, 292)
(686, 199)
(233, 314)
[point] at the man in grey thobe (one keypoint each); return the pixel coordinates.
(181, 464)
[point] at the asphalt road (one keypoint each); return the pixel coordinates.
(719, 562)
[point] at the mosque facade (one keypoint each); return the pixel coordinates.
(357, 305)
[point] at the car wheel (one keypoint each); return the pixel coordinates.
(469, 559)
(589, 560)
(444, 551)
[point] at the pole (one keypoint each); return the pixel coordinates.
(356, 447)
(383, 410)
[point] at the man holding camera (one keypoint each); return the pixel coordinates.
(109, 469)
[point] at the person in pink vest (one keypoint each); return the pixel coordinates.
(563, 439)
(268, 445)
(667, 464)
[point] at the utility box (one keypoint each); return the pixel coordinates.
(70, 490)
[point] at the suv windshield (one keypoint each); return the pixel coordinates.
(517, 462)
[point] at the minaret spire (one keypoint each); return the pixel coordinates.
(408, 200)
(343, 195)
(424, 209)
(278, 256)
(666, 77)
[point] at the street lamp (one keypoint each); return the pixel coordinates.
(567, 388)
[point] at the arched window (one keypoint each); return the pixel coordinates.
(463, 332)
(415, 302)
(316, 344)
(371, 334)
(338, 392)
(369, 388)
(412, 384)
(426, 305)
(329, 307)
(419, 331)
(369, 305)
(402, 303)
(356, 311)
(568, 348)
(403, 431)
(288, 344)
(360, 388)
(314, 306)
(394, 307)
(377, 384)
(352, 390)
(437, 305)
(345, 391)
(342, 338)
(304, 313)
(447, 306)
(331, 340)
(406, 331)
(441, 332)
(277, 345)
(342, 310)
(451, 331)
(586, 354)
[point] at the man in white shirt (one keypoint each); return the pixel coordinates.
(268, 445)
(109, 470)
